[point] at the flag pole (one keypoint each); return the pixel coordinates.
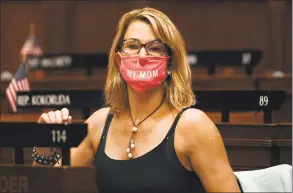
(31, 32)
(39, 74)
(32, 29)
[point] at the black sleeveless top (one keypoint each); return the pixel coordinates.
(158, 171)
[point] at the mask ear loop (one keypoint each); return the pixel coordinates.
(169, 67)
(168, 78)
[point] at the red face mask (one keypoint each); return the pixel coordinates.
(143, 72)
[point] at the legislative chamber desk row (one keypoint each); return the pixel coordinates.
(209, 83)
(248, 147)
(223, 101)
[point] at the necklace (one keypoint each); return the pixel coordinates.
(134, 129)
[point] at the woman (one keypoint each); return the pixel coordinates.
(149, 140)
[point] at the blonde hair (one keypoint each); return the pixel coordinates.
(178, 89)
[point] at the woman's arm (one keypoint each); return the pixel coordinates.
(206, 153)
(83, 155)
(79, 156)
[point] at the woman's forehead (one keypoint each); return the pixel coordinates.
(141, 31)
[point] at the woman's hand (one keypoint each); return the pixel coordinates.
(56, 117)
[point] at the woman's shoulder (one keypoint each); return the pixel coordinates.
(98, 118)
(198, 130)
(194, 116)
(195, 122)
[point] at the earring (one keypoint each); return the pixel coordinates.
(169, 72)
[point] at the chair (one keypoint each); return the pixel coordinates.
(273, 179)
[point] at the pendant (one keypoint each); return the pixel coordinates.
(131, 141)
(132, 144)
(134, 129)
(129, 155)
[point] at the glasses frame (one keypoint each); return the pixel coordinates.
(145, 46)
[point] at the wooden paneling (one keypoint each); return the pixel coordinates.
(288, 39)
(96, 22)
(1, 38)
(90, 26)
(14, 30)
(277, 16)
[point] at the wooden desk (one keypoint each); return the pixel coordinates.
(254, 146)
(22, 179)
(249, 146)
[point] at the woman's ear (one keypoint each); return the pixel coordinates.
(118, 59)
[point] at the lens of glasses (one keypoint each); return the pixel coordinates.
(131, 46)
(154, 48)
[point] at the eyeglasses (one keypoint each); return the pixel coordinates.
(154, 48)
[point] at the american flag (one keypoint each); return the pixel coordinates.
(18, 83)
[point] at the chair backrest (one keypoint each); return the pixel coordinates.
(55, 62)
(211, 59)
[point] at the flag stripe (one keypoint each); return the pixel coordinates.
(12, 91)
(18, 83)
(11, 100)
(14, 84)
